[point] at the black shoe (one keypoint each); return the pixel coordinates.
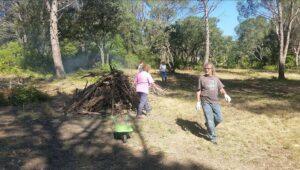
(146, 113)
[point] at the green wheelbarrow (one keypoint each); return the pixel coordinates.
(122, 129)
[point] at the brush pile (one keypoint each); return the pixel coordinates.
(113, 93)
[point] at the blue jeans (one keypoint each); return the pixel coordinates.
(163, 75)
(144, 103)
(213, 116)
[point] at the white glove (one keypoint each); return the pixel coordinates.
(198, 106)
(227, 98)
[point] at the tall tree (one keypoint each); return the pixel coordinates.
(56, 54)
(162, 13)
(186, 41)
(29, 23)
(207, 7)
(7, 32)
(282, 14)
(295, 40)
(99, 21)
(251, 38)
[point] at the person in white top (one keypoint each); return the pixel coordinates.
(163, 71)
(140, 67)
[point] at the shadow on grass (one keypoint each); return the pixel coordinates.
(180, 85)
(46, 139)
(192, 126)
(265, 96)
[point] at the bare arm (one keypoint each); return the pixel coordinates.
(222, 91)
(153, 85)
(198, 95)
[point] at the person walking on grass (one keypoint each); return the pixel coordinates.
(143, 81)
(163, 71)
(207, 99)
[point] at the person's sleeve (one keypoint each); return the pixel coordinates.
(150, 79)
(220, 84)
(199, 83)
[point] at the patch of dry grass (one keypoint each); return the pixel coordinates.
(260, 130)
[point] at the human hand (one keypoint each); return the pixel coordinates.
(227, 98)
(198, 106)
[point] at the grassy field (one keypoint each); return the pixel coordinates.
(260, 130)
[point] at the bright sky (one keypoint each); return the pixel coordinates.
(227, 14)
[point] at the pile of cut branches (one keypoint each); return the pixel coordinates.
(112, 93)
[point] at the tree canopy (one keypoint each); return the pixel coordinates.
(101, 31)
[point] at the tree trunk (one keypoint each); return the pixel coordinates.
(281, 61)
(207, 44)
(107, 58)
(296, 51)
(101, 48)
(59, 68)
(297, 59)
(284, 35)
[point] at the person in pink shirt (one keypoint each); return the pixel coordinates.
(143, 81)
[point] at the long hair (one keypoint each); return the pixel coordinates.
(212, 67)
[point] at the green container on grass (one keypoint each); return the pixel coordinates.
(122, 127)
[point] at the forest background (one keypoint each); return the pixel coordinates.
(59, 37)
(52, 49)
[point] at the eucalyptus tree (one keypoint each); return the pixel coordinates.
(162, 13)
(132, 27)
(7, 32)
(186, 41)
(97, 24)
(282, 14)
(251, 38)
(35, 23)
(52, 7)
(30, 25)
(206, 7)
(295, 40)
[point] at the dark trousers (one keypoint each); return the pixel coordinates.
(144, 103)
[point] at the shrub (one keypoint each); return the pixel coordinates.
(290, 61)
(3, 100)
(11, 57)
(22, 95)
(270, 67)
(199, 67)
(69, 48)
(105, 68)
(132, 60)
